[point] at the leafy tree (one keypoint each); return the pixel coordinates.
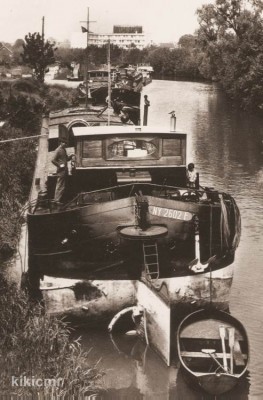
(65, 56)
(134, 55)
(17, 50)
(230, 38)
(38, 54)
(21, 104)
(180, 62)
(159, 58)
(187, 41)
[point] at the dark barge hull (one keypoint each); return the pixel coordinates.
(78, 242)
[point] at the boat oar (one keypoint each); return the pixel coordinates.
(231, 341)
(211, 353)
(222, 332)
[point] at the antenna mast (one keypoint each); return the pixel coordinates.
(109, 83)
(43, 28)
(86, 74)
(87, 61)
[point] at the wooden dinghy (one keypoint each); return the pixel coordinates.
(213, 350)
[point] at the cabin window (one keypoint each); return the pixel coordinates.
(92, 149)
(134, 149)
(172, 147)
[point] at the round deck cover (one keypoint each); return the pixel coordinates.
(135, 232)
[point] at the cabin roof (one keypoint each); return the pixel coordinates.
(75, 111)
(122, 130)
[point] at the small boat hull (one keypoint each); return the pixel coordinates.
(217, 384)
(213, 350)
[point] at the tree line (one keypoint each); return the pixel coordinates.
(227, 48)
(230, 39)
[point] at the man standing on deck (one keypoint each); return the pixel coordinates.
(60, 160)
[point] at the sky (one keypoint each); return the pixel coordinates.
(162, 20)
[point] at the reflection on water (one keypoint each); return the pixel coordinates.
(133, 371)
(226, 146)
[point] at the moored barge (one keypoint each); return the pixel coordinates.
(128, 216)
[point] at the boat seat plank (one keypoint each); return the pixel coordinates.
(199, 354)
(238, 356)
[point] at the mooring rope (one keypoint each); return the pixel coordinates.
(145, 327)
(22, 138)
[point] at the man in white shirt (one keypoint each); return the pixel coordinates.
(191, 176)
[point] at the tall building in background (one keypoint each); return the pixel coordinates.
(124, 36)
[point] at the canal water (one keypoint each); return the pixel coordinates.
(226, 146)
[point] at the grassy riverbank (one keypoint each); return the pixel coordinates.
(22, 103)
(35, 349)
(34, 345)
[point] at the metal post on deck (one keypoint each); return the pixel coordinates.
(146, 106)
(172, 121)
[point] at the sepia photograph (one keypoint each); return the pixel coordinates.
(131, 200)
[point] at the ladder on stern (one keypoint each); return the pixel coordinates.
(151, 259)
